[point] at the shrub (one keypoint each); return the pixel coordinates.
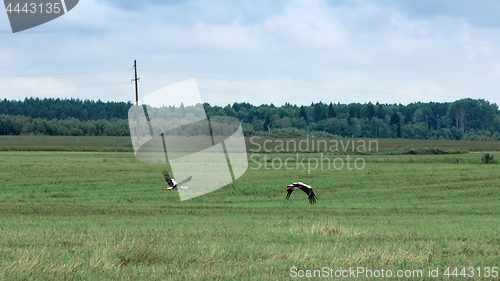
(488, 159)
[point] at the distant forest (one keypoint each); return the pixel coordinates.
(472, 119)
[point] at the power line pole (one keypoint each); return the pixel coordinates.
(137, 103)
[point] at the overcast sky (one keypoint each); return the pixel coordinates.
(260, 51)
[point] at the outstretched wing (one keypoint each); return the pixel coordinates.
(169, 179)
(289, 190)
(308, 190)
(185, 181)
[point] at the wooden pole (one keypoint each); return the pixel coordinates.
(137, 104)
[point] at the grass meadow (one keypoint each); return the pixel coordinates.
(83, 208)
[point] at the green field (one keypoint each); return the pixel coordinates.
(86, 209)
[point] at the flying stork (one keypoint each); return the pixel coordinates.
(304, 187)
(173, 184)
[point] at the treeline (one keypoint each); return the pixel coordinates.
(463, 119)
(24, 125)
(82, 110)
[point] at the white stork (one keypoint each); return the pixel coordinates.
(304, 187)
(173, 184)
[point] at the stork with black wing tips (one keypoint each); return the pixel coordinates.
(173, 184)
(304, 187)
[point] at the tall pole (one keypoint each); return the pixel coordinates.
(137, 104)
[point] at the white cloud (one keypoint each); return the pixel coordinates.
(308, 25)
(19, 88)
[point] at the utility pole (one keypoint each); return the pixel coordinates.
(137, 104)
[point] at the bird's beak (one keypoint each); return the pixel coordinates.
(288, 187)
(165, 189)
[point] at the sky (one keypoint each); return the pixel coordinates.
(260, 52)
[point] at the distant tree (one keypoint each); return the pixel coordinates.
(354, 110)
(6, 127)
(430, 117)
(472, 114)
(370, 110)
(420, 130)
(251, 114)
(302, 113)
(344, 127)
(39, 127)
(380, 112)
(355, 128)
(274, 122)
(331, 111)
(221, 112)
(395, 121)
(456, 134)
(242, 115)
(408, 115)
(418, 116)
(300, 123)
(258, 124)
(236, 107)
(319, 112)
(407, 132)
(333, 126)
(267, 123)
(285, 122)
(230, 111)
(377, 127)
(208, 109)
